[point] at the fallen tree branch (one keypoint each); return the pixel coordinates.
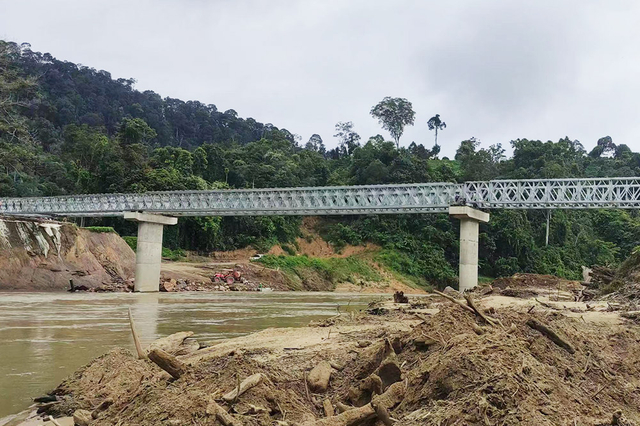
(136, 340)
(248, 383)
(355, 416)
(168, 363)
(341, 408)
(485, 317)
(548, 305)
(550, 334)
(214, 409)
(328, 408)
(456, 301)
(382, 414)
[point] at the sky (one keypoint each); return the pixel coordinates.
(495, 70)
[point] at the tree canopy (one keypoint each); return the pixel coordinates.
(394, 114)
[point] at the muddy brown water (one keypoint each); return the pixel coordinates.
(44, 337)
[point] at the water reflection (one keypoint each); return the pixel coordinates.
(46, 336)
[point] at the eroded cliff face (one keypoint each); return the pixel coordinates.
(45, 255)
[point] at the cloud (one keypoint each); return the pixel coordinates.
(495, 69)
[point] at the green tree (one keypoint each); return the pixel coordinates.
(435, 123)
(394, 114)
(349, 139)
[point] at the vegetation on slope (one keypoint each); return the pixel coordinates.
(332, 270)
(67, 129)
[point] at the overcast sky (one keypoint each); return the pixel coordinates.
(495, 70)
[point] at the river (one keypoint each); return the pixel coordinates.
(44, 337)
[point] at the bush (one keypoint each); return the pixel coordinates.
(174, 255)
(101, 229)
(506, 266)
(288, 249)
(132, 241)
(428, 266)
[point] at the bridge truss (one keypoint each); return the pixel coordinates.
(345, 200)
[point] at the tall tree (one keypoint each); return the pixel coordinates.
(435, 123)
(315, 144)
(394, 114)
(349, 139)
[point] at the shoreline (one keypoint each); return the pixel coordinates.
(403, 340)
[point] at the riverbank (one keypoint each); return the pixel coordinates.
(494, 359)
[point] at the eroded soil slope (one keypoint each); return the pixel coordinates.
(45, 255)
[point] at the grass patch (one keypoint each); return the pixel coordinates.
(101, 229)
(334, 270)
(174, 255)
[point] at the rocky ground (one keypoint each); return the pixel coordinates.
(492, 358)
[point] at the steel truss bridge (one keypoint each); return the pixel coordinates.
(596, 193)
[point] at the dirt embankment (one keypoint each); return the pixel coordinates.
(45, 255)
(428, 362)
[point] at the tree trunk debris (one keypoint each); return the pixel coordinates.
(136, 340)
(168, 363)
(319, 377)
(550, 334)
(248, 383)
(214, 409)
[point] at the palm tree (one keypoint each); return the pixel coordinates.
(437, 124)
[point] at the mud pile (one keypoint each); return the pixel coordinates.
(446, 368)
(45, 255)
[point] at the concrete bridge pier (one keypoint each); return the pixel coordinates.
(149, 250)
(470, 219)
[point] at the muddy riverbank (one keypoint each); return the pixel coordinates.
(492, 359)
(47, 336)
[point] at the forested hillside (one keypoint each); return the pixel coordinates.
(66, 128)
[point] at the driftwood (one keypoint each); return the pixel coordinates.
(319, 377)
(248, 383)
(341, 408)
(548, 305)
(382, 413)
(52, 420)
(456, 301)
(168, 363)
(550, 334)
(477, 329)
(485, 317)
(362, 393)
(471, 307)
(392, 397)
(82, 418)
(176, 343)
(214, 409)
(328, 408)
(373, 356)
(136, 340)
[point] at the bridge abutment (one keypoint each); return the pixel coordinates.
(470, 219)
(149, 248)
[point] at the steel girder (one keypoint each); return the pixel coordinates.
(344, 200)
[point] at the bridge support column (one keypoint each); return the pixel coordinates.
(149, 250)
(470, 219)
